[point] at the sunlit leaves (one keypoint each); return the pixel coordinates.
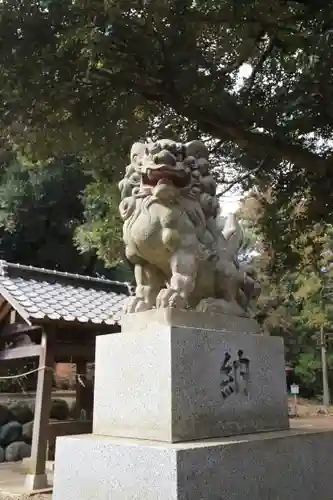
(296, 302)
(40, 208)
(102, 229)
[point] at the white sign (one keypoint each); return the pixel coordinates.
(294, 389)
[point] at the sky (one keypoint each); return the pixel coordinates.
(230, 202)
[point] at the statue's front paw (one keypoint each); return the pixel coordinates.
(136, 304)
(168, 297)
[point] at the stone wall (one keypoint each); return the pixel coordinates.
(16, 426)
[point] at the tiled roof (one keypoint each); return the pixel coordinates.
(43, 294)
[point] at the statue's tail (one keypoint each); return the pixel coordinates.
(234, 235)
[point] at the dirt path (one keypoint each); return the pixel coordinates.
(318, 422)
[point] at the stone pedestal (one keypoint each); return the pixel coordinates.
(175, 383)
(285, 465)
(168, 390)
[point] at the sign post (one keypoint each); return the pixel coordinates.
(324, 367)
(294, 388)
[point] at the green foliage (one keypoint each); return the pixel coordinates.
(40, 207)
(57, 216)
(18, 384)
(307, 369)
(296, 303)
(89, 77)
(102, 229)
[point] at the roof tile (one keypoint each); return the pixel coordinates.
(50, 294)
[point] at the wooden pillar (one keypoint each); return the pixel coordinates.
(12, 316)
(81, 367)
(37, 479)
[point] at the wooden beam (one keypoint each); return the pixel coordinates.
(62, 428)
(15, 304)
(62, 352)
(5, 310)
(12, 331)
(68, 428)
(70, 327)
(37, 478)
(12, 317)
(27, 351)
(81, 369)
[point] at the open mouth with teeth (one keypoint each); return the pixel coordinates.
(166, 175)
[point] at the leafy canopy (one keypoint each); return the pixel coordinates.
(91, 76)
(101, 230)
(40, 208)
(295, 303)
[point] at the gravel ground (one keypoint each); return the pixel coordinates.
(307, 408)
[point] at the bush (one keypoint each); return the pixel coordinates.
(16, 385)
(59, 409)
(22, 413)
(5, 415)
(10, 432)
(17, 451)
(27, 431)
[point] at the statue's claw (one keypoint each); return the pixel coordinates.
(136, 304)
(168, 297)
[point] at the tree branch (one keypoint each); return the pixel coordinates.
(216, 147)
(245, 51)
(262, 58)
(242, 178)
(267, 25)
(228, 124)
(258, 143)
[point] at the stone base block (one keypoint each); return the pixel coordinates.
(284, 465)
(155, 318)
(176, 383)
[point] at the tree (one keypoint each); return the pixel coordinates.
(57, 216)
(296, 303)
(253, 77)
(101, 231)
(40, 208)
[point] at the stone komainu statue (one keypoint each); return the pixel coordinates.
(172, 235)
